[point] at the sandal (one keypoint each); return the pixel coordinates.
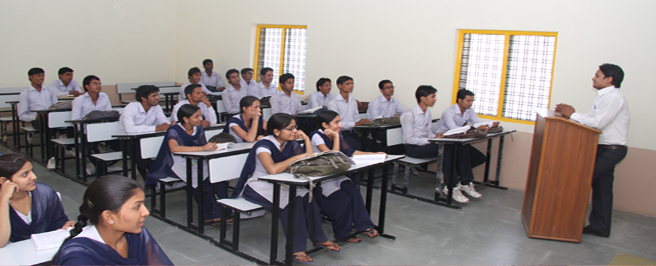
(371, 232)
(296, 256)
(214, 222)
(334, 245)
(354, 239)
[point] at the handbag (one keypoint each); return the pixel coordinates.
(97, 116)
(320, 164)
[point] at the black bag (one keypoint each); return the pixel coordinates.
(63, 105)
(470, 134)
(265, 100)
(320, 164)
(213, 98)
(97, 116)
(385, 121)
(223, 137)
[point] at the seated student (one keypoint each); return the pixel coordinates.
(36, 97)
(385, 105)
(247, 80)
(286, 101)
(234, 92)
(347, 108)
(194, 78)
(249, 125)
(323, 96)
(196, 97)
(65, 85)
(26, 207)
(114, 205)
(340, 198)
(266, 86)
(186, 136)
(272, 155)
(210, 78)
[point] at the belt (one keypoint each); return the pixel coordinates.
(611, 147)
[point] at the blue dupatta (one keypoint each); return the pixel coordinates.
(242, 124)
(47, 214)
(162, 167)
(344, 146)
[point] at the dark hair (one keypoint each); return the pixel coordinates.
(64, 70)
(278, 121)
(190, 89)
(107, 193)
(87, 80)
(246, 102)
(144, 91)
(245, 70)
(11, 163)
(424, 91)
(230, 72)
(322, 81)
(207, 61)
(382, 83)
(265, 70)
(325, 116)
(463, 93)
(35, 70)
(613, 71)
(186, 110)
(343, 79)
(284, 77)
(192, 71)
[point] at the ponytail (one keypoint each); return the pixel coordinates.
(77, 229)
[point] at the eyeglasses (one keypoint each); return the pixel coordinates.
(291, 128)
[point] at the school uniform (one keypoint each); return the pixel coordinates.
(231, 97)
(348, 112)
(31, 100)
(283, 103)
(318, 99)
(207, 112)
(238, 120)
(47, 214)
(382, 107)
(183, 95)
(61, 90)
(214, 80)
(259, 90)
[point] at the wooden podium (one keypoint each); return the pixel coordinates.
(559, 177)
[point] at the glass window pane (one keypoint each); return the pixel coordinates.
(295, 52)
(270, 47)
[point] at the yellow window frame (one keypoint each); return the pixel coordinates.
(282, 49)
(456, 84)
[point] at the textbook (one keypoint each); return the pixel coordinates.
(369, 158)
(457, 130)
(48, 240)
(309, 111)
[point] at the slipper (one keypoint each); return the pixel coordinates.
(329, 245)
(213, 223)
(354, 239)
(371, 232)
(294, 258)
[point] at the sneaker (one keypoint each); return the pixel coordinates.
(457, 194)
(29, 138)
(70, 153)
(469, 190)
(51, 163)
(91, 169)
(114, 168)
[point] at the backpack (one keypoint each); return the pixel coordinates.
(320, 164)
(223, 137)
(97, 116)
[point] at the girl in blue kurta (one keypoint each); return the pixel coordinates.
(26, 207)
(340, 198)
(114, 205)
(188, 136)
(272, 155)
(248, 126)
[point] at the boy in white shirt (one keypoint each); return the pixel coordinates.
(194, 76)
(66, 85)
(286, 102)
(210, 78)
(265, 87)
(323, 96)
(247, 80)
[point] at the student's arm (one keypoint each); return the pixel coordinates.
(277, 168)
(308, 144)
(251, 135)
(407, 124)
(174, 114)
(313, 101)
(602, 116)
(299, 105)
(227, 102)
(372, 111)
(211, 115)
(174, 147)
(323, 147)
(108, 104)
(53, 97)
(76, 109)
(127, 119)
(7, 190)
(53, 85)
(399, 108)
(24, 113)
(219, 83)
(76, 87)
(276, 106)
(449, 119)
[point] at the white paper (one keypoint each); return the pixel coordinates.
(48, 240)
(457, 130)
(369, 158)
(490, 124)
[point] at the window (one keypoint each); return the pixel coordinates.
(282, 48)
(509, 71)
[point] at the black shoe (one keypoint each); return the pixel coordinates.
(589, 230)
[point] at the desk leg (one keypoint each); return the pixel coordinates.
(495, 183)
(45, 136)
(291, 209)
(124, 149)
(83, 163)
(14, 125)
(77, 151)
(383, 205)
(190, 204)
(201, 197)
(439, 176)
(370, 189)
(275, 219)
(488, 157)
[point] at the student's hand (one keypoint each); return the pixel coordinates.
(205, 123)
(300, 135)
(330, 132)
(75, 93)
(210, 146)
(439, 136)
(495, 124)
(380, 152)
(252, 113)
(68, 224)
(205, 100)
(8, 188)
(363, 121)
(162, 127)
(484, 127)
(259, 137)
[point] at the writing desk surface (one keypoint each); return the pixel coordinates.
(25, 253)
(232, 149)
(159, 133)
(489, 135)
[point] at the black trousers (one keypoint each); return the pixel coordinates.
(602, 189)
(468, 157)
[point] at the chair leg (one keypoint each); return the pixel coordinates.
(162, 198)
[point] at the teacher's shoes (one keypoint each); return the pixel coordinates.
(457, 194)
(469, 190)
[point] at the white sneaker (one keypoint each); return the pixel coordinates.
(29, 138)
(51, 163)
(457, 194)
(469, 190)
(114, 168)
(70, 153)
(91, 169)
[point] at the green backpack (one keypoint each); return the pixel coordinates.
(320, 164)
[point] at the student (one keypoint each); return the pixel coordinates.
(385, 105)
(233, 94)
(323, 96)
(194, 78)
(196, 97)
(347, 108)
(611, 115)
(248, 126)
(36, 97)
(114, 205)
(247, 80)
(144, 115)
(210, 78)
(65, 85)
(272, 155)
(340, 198)
(187, 136)
(286, 101)
(265, 87)
(26, 207)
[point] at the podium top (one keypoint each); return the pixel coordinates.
(549, 114)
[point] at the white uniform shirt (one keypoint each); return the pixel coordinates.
(231, 98)
(417, 126)
(259, 90)
(135, 119)
(282, 103)
(381, 106)
(331, 185)
(184, 86)
(453, 118)
(179, 166)
(61, 90)
(214, 81)
(610, 114)
(31, 100)
(207, 112)
(249, 86)
(83, 104)
(348, 111)
(318, 99)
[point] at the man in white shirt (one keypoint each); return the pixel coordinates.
(196, 97)
(37, 97)
(385, 105)
(194, 78)
(323, 96)
(610, 114)
(247, 80)
(210, 78)
(347, 108)
(233, 94)
(286, 102)
(266, 86)
(65, 85)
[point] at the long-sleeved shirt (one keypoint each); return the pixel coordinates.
(417, 126)
(259, 90)
(348, 111)
(214, 80)
(184, 86)
(207, 112)
(135, 119)
(83, 104)
(381, 106)
(453, 118)
(248, 86)
(231, 98)
(31, 100)
(610, 114)
(318, 99)
(281, 103)
(61, 90)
